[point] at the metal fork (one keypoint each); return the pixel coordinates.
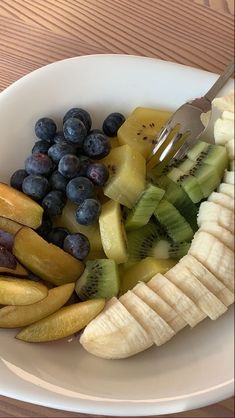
(187, 119)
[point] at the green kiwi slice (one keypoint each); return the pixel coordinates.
(175, 224)
(100, 279)
(209, 154)
(144, 207)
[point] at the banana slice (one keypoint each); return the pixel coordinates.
(225, 103)
(222, 234)
(232, 165)
(215, 256)
(208, 279)
(115, 333)
(227, 189)
(223, 131)
(230, 148)
(193, 288)
(154, 325)
(185, 307)
(158, 304)
(222, 199)
(229, 177)
(211, 212)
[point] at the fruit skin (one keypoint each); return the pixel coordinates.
(96, 146)
(112, 232)
(100, 279)
(58, 182)
(45, 260)
(98, 173)
(75, 131)
(59, 137)
(15, 291)
(69, 166)
(20, 316)
(78, 113)
(80, 189)
(35, 186)
(114, 333)
(84, 164)
(38, 164)
(77, 245)
(53, 203)
(57, 236)
(45, 227)
(88, 212)
(17, 179)
(58, 150)
(18, 207)
(18, 271)
(7, 259)
(112, 123)
(66, 321)
(6, 239)
(41, 147)
(45, 128)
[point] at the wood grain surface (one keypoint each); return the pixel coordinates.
(199, 33)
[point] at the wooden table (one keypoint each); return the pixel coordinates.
(33, 33)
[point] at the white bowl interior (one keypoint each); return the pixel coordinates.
(193, 369)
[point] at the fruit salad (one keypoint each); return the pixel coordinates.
(93, 239)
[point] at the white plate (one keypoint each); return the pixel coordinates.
(192, 370)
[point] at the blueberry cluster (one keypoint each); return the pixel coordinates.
(64, 164)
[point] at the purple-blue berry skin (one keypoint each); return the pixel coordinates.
(58, 182)
(112, 123)
(84, 164)
(77, 245)
(45, 128)
(58, 150)
(59, 137)
(75, 132)
(57, 236)
(81, 114)
(79, 189)
(35, 186)
(98, 173)
(53, 203)
(45, 226)
(88, 212)
(41, 147)
(17, 179)
(69, 166)
(38, 164)
(96, 146)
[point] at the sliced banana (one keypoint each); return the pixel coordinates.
(193, 288)
(230, 148)
(222, 200)
(222, 234)
(185, 307)
(154, 325)
(158, 304)
(223, 131)
(211, 212)
(115, 333)
(215, 256)
(225, 103)
(229, 177)
(227, 189)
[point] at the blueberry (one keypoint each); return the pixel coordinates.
(53, 203)
(81, 114)
(75, 131)
(96, 146)
(45, 226)
(84, 164)
(35, 186)
(112, 123)
(79, 189)
(58, 182)
(45, 128)
(57, 236)
(98, 173)
(57, 151)
(41, 147)
(38, 164)
(69, 166)
(88, 212)
(96, 131)
(17, 179)
(77, 245)
(59, 137)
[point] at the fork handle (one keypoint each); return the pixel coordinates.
(217, 86)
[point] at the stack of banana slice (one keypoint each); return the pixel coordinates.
(201, 285)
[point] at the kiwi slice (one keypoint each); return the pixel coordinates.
(213, 155)
(177, 196)
(100, 279)
(188, 182)
(152, 241)
(144, 207)
(176, 226)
